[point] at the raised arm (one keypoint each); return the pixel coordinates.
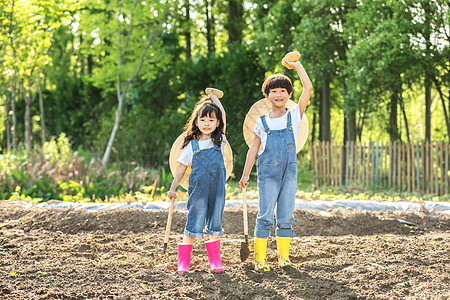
(217, 102)
(306, 82)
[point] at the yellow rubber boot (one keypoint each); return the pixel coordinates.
(283, 245)
(260, 255)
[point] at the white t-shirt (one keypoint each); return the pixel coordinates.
(186, 154)
(278, 124)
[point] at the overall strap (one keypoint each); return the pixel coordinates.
(289, 120)
(266, 127)
(195, 146)
(215, 146)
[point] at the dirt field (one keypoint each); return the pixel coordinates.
(341, 254)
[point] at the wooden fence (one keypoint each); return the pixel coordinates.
(421, 168)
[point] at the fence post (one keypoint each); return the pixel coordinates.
(413, 167)
(441, 163)
(436, 146)
(390, 166)
(417, 167)
(408, 162)
(394, 163)
(447, 144)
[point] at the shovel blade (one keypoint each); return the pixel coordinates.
(246, 248)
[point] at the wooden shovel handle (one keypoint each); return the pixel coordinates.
(169, 221)
(244, 211)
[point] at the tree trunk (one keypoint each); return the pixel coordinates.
(112, 137)
(427, 106)
(235, 21)
(325, 115)
(399, 92)
(122, 90)
(188, 31)
(14, 85)
(393, 126)
(360, 126)
(441, 95)
(344, 152)
(350, 117)
(315, 107)
(14, 115)
(29, 101)
(313, 130)
(209, 33)
(7, 127)
(41, 110)
(405, 119)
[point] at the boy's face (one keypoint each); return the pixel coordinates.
(278, 97)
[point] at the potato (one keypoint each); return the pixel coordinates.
(291, 57)
(216, 92)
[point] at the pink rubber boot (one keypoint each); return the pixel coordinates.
(184, 258)
(213, 249)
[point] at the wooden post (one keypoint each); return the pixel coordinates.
(436, 184)
(413, 168)
(394, 162)
(361, 161)
(363, 158)
(320, 162)
(340, 165)
(424, 167)
(447, 145)
(441, 163)
(390, 166)
(417, 167)
(404, 168)
(431, 161)
(385, 150)
(427, 168)
(408, 164)
(400, 169)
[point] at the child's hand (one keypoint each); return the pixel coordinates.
(243, 182)
(291, 65)
(214, 93)
(172, 195)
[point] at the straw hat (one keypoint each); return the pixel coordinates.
(175, 152)
(262, 108)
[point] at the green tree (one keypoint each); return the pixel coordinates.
(126, 34)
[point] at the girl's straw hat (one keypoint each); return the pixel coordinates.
(262, 108)
(175, 152)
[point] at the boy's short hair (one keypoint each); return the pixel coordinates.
(276, 81)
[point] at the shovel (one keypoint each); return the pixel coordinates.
(169, 222)
(245, 246)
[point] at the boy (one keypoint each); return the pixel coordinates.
(275, 148)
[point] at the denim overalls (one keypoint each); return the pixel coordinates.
(206, 192)
(277, 181)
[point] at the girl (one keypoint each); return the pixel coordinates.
(203, 148)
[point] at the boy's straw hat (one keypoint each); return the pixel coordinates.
(262, 108)
(175, 152)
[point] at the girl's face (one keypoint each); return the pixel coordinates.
(207, 124)
(278, 97)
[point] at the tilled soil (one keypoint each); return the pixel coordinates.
(341, 254)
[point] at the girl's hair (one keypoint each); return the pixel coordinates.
(204, 107)
(276, 81)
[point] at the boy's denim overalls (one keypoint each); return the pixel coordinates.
(206, 192)
(277, 181)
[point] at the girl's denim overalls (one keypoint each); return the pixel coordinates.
(206, 192)
(277, 181)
